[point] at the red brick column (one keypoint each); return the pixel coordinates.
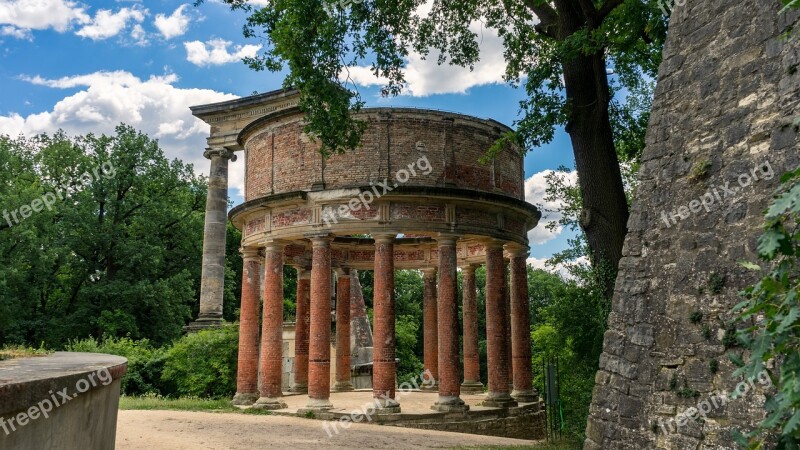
(498, 361)
(449, 377)
(343, 383)
(507, 298)
(521, 328)
(430, 331)
(272, 330)
(319, 354)
(384, 364)
(247, 374)
(301, 330)
(469, 308)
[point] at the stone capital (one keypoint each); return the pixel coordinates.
(211, 153)
(429, 272)
(274, 247)
(384, 238)
(493, 244)
(516, 250)
(342, 272)
(470, 268)
(447, 239)
(250, 253)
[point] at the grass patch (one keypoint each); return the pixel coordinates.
(156, 402)
(559, 445)
(11, 352)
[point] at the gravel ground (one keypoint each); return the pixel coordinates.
(148, 430)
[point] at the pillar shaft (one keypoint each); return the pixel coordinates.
(521, 330)
(272, 330)
(384, 365)
(301, 331)
(213, 272)
(449, 376)
(496, 332)
(319, 355)
(507, 317)
(469, 309)
(430, 329)
(247, 373)
(343, 382)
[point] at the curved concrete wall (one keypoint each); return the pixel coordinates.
(62, 401)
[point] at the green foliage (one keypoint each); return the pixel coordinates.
(686, 391)
(203, 364)
(408, 290)
(770, 318)
(700, 170)
(706, 330)
(696, 317)
(673, 382)
(145, 363)
(716, 282)
(713, 366)
(20, 351)
(731, 337)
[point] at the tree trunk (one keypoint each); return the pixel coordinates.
(605, 208)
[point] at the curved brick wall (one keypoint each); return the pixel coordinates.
(281, 159)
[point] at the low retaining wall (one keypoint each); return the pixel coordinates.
(61, 401)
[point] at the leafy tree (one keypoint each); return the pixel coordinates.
(771, 318)
(572, 56)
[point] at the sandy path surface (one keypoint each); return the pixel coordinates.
(152, 430)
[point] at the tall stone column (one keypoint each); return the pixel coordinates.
(384, 364)
(319, 354)
(301, 331)
(247, 373)
(449, 376)
(213, 275)
(521, 328)
(507, 298)
(430, 331)
(472, 375)
(343, 383)
(272, 330)
(496, 332)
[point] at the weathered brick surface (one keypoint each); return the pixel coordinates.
(384, 366)
(470, 317)
(282, 159)
(319, 358)
(430, 324)
(447, 317)
(302, 328)
(343, 328)
(247, 374)
(272, 324)
(520, 326)
(496, 331)
(727, 94)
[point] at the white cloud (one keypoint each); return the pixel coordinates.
(173, 25)
(108, 24)
(154, 106)
(215, 52)
(19, 33)
(22, 16)
(561, 269)
(535, 193)
(139, 36)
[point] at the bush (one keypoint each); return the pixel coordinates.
(145, 363)
(204, 364)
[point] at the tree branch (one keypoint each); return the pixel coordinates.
(606, 9)
(548, 17)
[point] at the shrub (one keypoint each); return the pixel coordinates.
(203, 364)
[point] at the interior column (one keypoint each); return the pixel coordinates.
(469, 310)
(430, 331)
(271, 360)
(384, 364)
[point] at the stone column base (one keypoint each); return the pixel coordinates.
(343, 386)
(316, 405)
(204, 323)
(429, 386)
(300, 388)
(386, 406)
(499, 401)
(267, 403)
(525, 396)
(245, 399)
(450, 404)
(472, 387)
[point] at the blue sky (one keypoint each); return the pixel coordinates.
(88, 66)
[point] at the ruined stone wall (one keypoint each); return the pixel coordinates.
(720, 135)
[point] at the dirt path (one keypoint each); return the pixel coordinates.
(148, 430)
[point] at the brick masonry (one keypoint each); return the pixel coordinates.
(728, 92)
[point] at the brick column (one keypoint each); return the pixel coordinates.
(272, 330)
(247, 373)
(212, 279)
(521, 328)
(343, 383)
(301, 330)
(472, 375)
(430, 331)
(449, 376)
(319, 354)
(384, 364)
(496, 332)
(507, 298)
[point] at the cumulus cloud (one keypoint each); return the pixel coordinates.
(215, 52)
(560, 269)
(106, 99)
(173, 25)
(535, 193)
(22, 16)
(106, 23)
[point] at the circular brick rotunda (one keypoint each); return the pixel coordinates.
(415, 195)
